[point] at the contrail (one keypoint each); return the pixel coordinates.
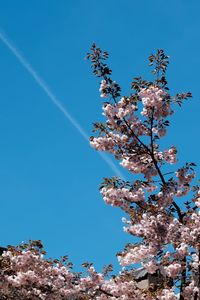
(54, 98)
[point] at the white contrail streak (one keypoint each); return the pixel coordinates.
(54, 98)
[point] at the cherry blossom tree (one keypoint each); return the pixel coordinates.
(158, 214)
(161, 207)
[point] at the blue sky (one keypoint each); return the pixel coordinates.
(49, 175)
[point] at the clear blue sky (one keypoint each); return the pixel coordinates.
(49, 175)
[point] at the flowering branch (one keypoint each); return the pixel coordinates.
(160, 211)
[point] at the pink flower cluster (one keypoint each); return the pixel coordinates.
(122, 196)
(154, 98)
(109, 143)
(190, 290)
(27, 275)
(120, 110)
(103, 144)
(30, 276)
(173, 270)
(170, 155)
(168, 294)
(136, 255)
